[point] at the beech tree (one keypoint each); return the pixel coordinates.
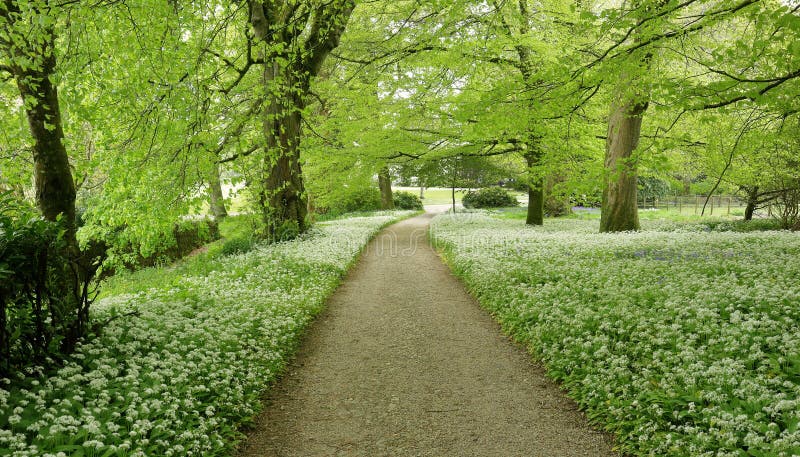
(684, 75)
(294, 38)
(29, 56)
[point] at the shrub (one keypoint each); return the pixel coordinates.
(788, 208)
(44, 305)
(650, 187)
(557, 206)
(238, 245)
(489, 197)
(130, 251)
(406, 200)
(350, 200)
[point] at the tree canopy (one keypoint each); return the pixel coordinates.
(144, 107)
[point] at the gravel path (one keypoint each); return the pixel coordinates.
(404, 363)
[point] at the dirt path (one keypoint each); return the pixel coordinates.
(405, 363)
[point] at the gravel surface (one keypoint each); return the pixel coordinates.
(404, 363)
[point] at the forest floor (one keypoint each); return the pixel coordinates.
(404, 363)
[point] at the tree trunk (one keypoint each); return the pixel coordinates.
(215, 194)
(55, 187)
(53, 181)
(752, 201)
(619, 212)
(283, 202)
(535, 214)
(291, 60)
(385, 185)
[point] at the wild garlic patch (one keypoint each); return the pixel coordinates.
(179, 378)
(679, 340)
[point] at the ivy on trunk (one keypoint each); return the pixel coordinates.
(295, 38)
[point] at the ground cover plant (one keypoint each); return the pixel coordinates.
(681, 339)
(187, 364)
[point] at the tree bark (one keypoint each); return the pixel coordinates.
(752, 201)
(618, 209)
(33, 65)
(55, 187)
(283, 200)
(215, 194)
(293, 55)
(385, 185)
(535, 214)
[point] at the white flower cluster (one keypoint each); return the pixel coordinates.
(179, 378)
(684, 342)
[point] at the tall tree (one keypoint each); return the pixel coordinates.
(28, 45)
(659, 51)
(619, 204)
(216, 197)
(294, 37)
(385, 186)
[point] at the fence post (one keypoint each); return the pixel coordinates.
(712, 206)
(679, 204)
(729, 205)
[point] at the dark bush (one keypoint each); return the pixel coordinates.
(650, 187)
(238, 245)
(556, 206)
(489, 197)
(44, 293)
(406, 200)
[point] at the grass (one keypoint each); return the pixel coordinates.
(681, 339)
(655, 217)
(232, 227)
(443, 196)
(182, 355)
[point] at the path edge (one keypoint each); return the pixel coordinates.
(246, 428)
(445, 252)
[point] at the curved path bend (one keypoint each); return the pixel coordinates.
(403, 362)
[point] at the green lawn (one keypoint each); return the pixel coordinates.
(443, 196)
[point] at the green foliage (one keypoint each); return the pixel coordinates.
(489, 197)
(587, 201)
(43, 302)
(406, 200)
(755, 225)
(238, 245)
(130, 249)
(240, 227)
(349, 199)
(651, 187)
(287, 230)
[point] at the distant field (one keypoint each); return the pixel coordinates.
(443, 196)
